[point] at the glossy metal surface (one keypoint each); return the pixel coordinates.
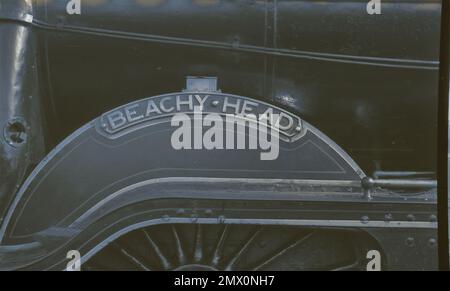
(369, 82)
(21, 132)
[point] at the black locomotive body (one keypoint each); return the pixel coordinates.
(368, 82)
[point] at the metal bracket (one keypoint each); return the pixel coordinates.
(201, 84)
(368, 184)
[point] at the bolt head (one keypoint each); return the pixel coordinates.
(365, 219)
(410, 242)
(432, 242)
(433, 218)
(388, 217)
(15, 132)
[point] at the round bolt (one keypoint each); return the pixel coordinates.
(410, 242)
(221, 219)
(432, 242)
(194, 218)
(367, 183)
(215, 103)
(433, 218)
(15, 133)
(388, 217)
(365, 219)
(410, 217)
(298, 128)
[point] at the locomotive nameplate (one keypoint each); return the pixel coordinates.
(147, 111)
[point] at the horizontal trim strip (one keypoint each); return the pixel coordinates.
(213, 181)
(350, 59)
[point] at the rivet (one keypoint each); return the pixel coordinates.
(410, 242)
(388, 217)
(15, 133)
(221, 219)
(433, 218)
(365, 219)
(432, 242)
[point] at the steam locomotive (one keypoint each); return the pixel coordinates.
(355, 171)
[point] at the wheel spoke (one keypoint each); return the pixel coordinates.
(219, 247)
(347, 267)
(178, 246)
(131, 258)
(284, 251)
(239, 254)
(164, 262)
(198, 249)
(352, 265)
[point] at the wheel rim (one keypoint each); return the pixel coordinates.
(197, 247)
